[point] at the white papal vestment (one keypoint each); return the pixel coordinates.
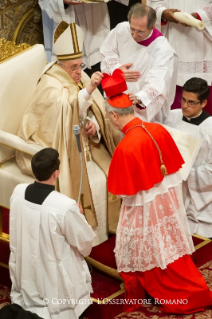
(198, 187)
(47, 244)
(193, 47)
(157, 64)
(93, 19)
(96, 177)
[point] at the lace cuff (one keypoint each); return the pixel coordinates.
(206, 16)
(112, 64)
(153, 101)
(208, 11)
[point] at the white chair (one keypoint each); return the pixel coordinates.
(19, 76)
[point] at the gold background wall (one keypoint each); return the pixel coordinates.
(21, 21)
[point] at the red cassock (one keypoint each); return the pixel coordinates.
(135, 167)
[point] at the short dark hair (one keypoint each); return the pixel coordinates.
(141, 10)
(199, 87)
(44, 163)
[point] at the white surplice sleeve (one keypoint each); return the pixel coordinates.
(160, 82)
(55, 10)
(200, 177)
(109, 49)
(206, 16)
(159, 7)
(77, 231)
(85, 100)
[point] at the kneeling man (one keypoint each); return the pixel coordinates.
(153, 240)
(49, 236)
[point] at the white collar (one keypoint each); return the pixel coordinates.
(189, 118)
(148, 36)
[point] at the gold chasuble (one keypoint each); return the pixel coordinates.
(49, 121)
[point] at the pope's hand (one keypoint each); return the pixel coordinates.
(96, 79)
(80, 208)
(72, 2)
(130, 75)
(133, 98)
(90, 128)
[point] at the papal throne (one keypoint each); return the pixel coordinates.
(20, 69)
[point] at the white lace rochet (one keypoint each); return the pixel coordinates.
(153, 230)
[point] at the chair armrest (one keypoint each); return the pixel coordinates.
(18, 143)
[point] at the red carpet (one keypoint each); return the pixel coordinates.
(5, 219)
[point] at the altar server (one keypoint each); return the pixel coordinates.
(49, 236)
(148, 61)
(198, 186)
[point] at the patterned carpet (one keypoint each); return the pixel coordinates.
(147, 311)
(144, 312)
(4, 296)
(152, 312)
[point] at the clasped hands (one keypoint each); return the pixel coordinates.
(168, 14)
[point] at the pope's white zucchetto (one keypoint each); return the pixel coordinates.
(68, 41)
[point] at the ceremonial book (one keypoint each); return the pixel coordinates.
(188, 145)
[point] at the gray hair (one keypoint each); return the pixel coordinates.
(64, 61)
(141, 10)
(118, 110)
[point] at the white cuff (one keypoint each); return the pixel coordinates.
(143, 97)
(85, 94)
(83, 102)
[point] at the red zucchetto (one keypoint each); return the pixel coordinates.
(120, 101)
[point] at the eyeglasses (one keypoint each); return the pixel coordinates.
(189, 103)
(73, 68)
(135, 31)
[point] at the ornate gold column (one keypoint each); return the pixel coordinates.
(21, 21)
